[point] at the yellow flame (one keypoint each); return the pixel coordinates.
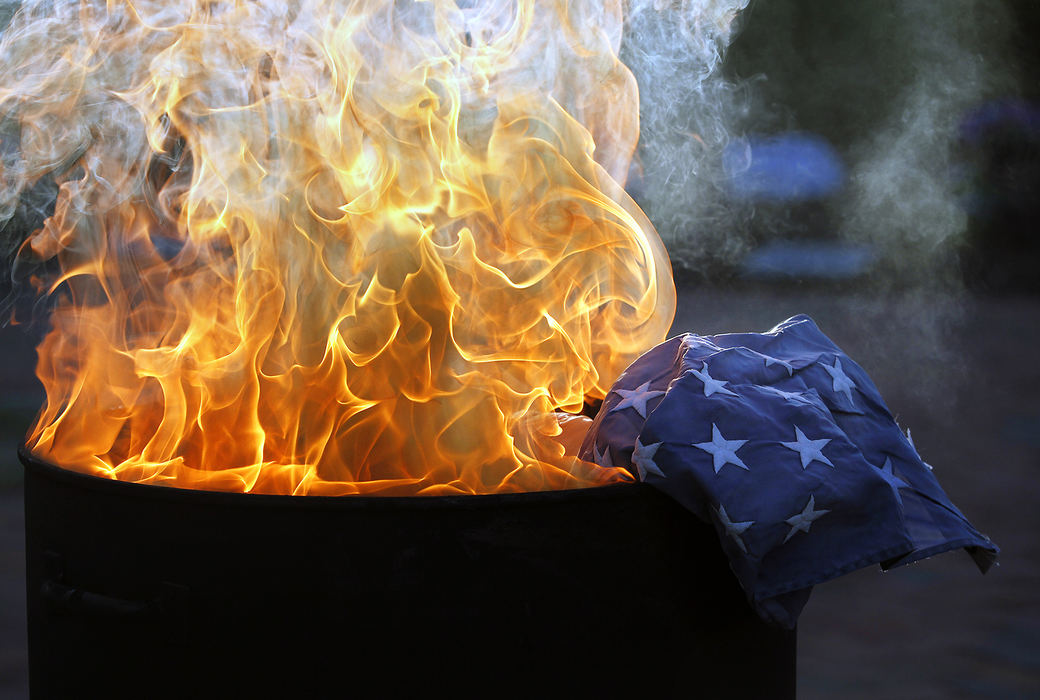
(340, 247)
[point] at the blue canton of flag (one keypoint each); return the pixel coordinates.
(784, 444)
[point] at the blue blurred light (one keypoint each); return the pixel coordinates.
(787, 167)
(809, 260)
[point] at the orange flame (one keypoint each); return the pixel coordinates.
(347, 247)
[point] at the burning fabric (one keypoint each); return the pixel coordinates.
(384, 247)
(785, 445)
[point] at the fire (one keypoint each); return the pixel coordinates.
(334, 248)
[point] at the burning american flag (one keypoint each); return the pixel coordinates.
(341, 247)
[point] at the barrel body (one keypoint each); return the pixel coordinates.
(146, 591)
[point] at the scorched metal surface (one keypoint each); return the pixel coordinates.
(146, 591)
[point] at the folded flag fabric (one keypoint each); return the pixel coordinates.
(784, 444)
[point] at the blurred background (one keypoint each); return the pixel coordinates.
(876, 166)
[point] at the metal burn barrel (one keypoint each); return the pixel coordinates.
(147, 591)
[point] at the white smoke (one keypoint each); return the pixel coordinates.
(905, 196)
(688, 113)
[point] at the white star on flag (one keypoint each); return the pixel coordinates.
(788, 396)
(722, 451)
(841, 382)
(894, 481)
(635, 398)
(643, 458)
(808, 449)
(734, 530)
(804, 520)
(711, 386)
(602, 458)
(770, 361)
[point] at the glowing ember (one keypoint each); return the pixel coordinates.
(343, 247)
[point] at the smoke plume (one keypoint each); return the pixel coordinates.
(688, 113)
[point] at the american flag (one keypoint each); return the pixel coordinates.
(784, 444)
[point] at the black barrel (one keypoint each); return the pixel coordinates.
(152, 592)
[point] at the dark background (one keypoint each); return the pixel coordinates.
(946, 319)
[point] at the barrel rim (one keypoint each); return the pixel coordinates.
(623, 491)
